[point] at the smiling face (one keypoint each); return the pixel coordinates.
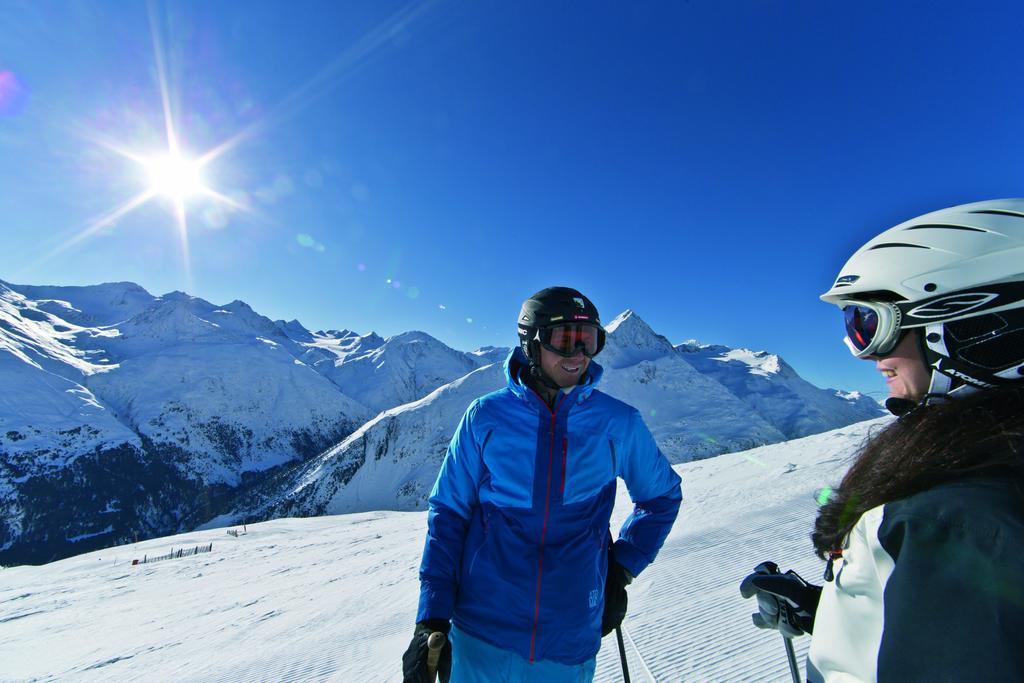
(904, 369)
(565, 372)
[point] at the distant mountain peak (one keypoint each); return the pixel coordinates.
(622, 318)
(628, 327)
(696, 346)
(410, 336)
(237, 305)
(294, 330)
(631, 340)
(370, 339)
(483, 350)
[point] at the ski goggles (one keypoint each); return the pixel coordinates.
(566, 340)
(872, 327)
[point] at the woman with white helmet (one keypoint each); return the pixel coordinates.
(924, 535)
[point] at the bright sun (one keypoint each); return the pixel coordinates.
(175, 177)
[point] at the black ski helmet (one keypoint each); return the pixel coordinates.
(555, 306)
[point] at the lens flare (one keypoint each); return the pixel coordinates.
(824, 495)
(13, 94)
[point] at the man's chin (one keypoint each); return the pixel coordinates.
(568, 381)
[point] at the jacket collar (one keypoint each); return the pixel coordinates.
(517, 366)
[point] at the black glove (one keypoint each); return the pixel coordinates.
(784, 601)
(414, 661)
(614, 596)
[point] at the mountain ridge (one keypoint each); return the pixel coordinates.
(209, 405)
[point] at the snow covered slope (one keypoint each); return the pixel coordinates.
(382, 374)
(333, 598)
(389, 463)
(126, 414)
(691, 415)
(392, 461)
(769, 386)
(222, 386)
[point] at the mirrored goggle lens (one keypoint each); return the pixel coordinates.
(567, 338)
(861, 325)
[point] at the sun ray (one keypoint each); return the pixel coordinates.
(182, 220)
(329, 76)
(100, 222)
(165, 97)
(224, 199)
(108, 144)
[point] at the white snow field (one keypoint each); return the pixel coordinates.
(334, 598)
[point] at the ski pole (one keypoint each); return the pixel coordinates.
(794, 668)
(622, 654)
(434, 645)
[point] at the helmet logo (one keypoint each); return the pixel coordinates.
(579, 302)
(955, 304)
(846, 280)
(953, 372)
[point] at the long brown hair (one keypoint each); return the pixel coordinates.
(974, 435)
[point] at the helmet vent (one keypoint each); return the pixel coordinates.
(1003, 351)
(945, 226)
(889, 245)
(978, 326)
(1000, 212)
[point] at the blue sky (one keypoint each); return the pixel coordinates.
(710, 165)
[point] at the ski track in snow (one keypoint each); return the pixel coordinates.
(334, 598)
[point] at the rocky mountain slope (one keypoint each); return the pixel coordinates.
(132, 415)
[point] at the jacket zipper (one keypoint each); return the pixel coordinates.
(565, 458)
(544, 528)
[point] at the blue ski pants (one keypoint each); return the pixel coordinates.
(474, 661)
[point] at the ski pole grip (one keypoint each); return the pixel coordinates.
(435, 643)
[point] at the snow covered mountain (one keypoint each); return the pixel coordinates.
(129, 415)
(769, 386)
(383, 373)
(391, 462)
(333, 598)
(692, 416)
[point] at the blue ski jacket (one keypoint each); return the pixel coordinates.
(518, 524)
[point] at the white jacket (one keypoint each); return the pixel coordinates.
(929, 588)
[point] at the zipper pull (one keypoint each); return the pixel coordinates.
(833, 555)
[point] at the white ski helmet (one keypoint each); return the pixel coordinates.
(956, 274)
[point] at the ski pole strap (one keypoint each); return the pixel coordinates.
(435, 643)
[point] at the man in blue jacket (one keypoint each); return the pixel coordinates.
(518, 566)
